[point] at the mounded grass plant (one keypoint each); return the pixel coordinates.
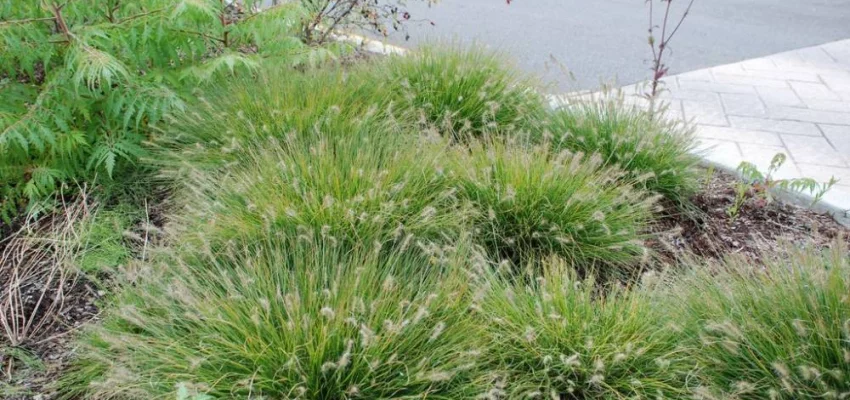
(533, 203)
(464, 92)
(280, 103)
(777, 332)
(657, 148)
(357, 190)
(557, 336)
(731, 331)
(291, 319)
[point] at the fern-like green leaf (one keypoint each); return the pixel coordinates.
(196, 9)
(228, 62)
(94, 68)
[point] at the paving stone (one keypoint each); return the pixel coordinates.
(750, 79)
(743, 104)
(774, 125)
(827, 105)
(705, 112)
(666, 85)
(839, 136)
(823, 173)
(715, 87)
(727, 69)
(670, 83)
(673, 110)
(761, 156)
(796, 102)
(792, 62)
(739, 135)
(839, 50)
(690, 95)
(779, 97)
(698, 75)
(836, 81)
(719, 151)
(776, 73)
(813, 91)
(631, 90)
(816, 56)
(763, 63)
(844, 94)
(636, 101)
(806, 115)
(812, 150)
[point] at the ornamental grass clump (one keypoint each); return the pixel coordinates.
(781, 331)
(533, 203)
(464, 93)
(230, 115)
(357, 190)
(631, 139)
(557, 336)
(290, 319)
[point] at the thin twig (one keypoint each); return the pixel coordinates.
(337, 21)
(204, 35)
(147, 224)
(27, 21)
(659, 70)
(137, 16)
(685, 14)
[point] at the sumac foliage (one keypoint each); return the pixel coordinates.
(82, 81)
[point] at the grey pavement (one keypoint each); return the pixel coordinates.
(606, 39)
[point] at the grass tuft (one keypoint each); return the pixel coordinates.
(228, 117)
(531, 203)
(356, 190)
(556, 336)
(777, 332)
(291, 319)
(657, 149)
(464, 93)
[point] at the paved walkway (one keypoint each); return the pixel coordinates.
(797, 103)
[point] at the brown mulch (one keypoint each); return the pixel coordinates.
(759, 227)
(48, 354)
(29, 370)
(42, 292)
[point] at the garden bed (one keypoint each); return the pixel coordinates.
(327, 228)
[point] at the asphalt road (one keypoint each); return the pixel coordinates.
(606, 40)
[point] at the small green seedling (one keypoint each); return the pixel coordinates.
(761, 186)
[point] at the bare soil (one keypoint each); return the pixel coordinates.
(759, 228)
